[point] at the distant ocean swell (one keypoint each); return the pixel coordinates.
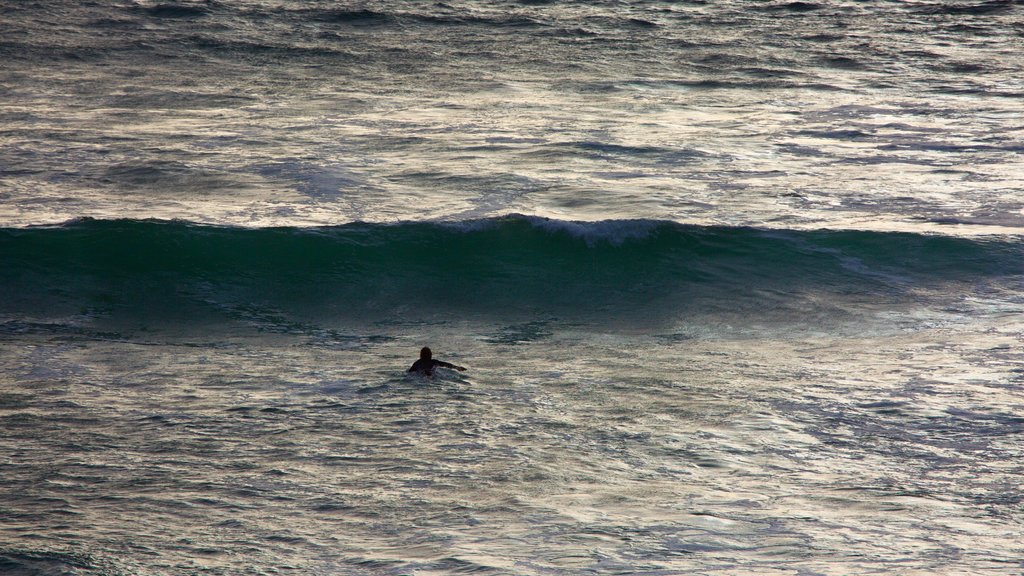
(515, 267)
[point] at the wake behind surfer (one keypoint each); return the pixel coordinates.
(426, 364)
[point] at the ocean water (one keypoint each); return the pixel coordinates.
(739, 287)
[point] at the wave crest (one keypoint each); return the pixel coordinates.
(513, 267)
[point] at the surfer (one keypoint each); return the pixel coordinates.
(426, 364)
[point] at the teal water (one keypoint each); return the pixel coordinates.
(645, 274)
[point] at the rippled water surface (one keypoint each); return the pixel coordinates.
(580, 455)
(850, 114)
(740, 287)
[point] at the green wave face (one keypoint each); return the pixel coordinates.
(512, 268)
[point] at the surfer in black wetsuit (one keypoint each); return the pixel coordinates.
(426, 364)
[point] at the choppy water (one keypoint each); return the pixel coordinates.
(740, 287)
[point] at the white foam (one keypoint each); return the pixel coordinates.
(613, 231)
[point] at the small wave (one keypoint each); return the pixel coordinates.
(176, 10)
(971, 9)
(366, 17)
(14, 562)
(359, 17)
(794, 7)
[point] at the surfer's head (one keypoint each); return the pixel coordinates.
(425, 353)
